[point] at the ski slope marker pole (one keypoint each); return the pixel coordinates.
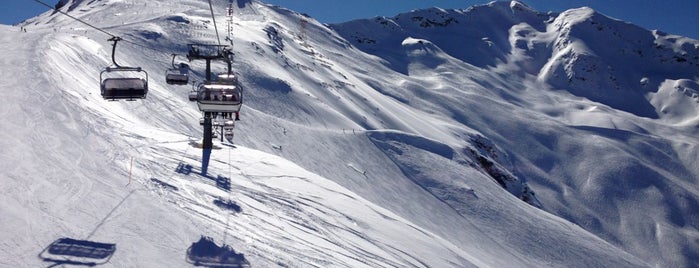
(130, 168)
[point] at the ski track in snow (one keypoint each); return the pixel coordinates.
(295, 218)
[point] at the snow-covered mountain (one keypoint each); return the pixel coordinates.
(494, 136)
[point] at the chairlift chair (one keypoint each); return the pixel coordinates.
(120, 82)
(220, 98)
(123, 86)
(227, 78)
(228, 126)
(174, 77)
(177, 75)
(193, 95)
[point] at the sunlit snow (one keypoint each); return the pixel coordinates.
(492, 136)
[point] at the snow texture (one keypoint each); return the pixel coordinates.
(493, 136)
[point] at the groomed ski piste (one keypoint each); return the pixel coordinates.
(373, 143)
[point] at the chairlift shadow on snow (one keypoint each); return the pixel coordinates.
(82, 252)
(164, 185)
(206, 253)
(223, 183)
(227, 204)
(205, 158)
(77, 252)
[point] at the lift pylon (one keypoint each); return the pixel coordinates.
(208, 90)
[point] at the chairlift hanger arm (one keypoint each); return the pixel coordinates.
(173, 60)
(115, 39)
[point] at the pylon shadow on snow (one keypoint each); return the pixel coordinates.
(205, 158)
(77, 252)
(164, 185)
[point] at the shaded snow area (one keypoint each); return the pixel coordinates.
(493, 136)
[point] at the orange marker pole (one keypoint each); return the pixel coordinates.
(130, 168)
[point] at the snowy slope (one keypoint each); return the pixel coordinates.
(377, 143)
(598, 115)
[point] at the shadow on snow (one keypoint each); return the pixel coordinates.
(77, 252)
(223, 183)
(206, 253)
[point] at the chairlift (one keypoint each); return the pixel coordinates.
(177, 75)
(193, 95)
(218, 121)
(119, 82)
(227, 78)
(208, 51)
(220, 97)
(194, 92)
(228, 127)
(130, 88)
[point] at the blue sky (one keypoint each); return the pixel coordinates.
(672, 16)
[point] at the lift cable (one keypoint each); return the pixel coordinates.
(113, 37)
(83, 22)
(214, 19)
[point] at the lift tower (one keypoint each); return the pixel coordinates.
(209, 53)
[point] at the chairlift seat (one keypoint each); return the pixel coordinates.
(121, 86)
(220, 98)
(176, 78)
(227, 79)
(228, 134)
(124, 88)
(177, 75)
(193, 95)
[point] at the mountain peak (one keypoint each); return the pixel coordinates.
(70, 3)
(520, 6)
(510, 6)
(604, 59)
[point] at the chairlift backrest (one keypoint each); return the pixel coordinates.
(219, 98)
(228, 79)
(123, 87)
(178, 75)
(193, 95)
(124, 83)
(223, 93)
(176, 78)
